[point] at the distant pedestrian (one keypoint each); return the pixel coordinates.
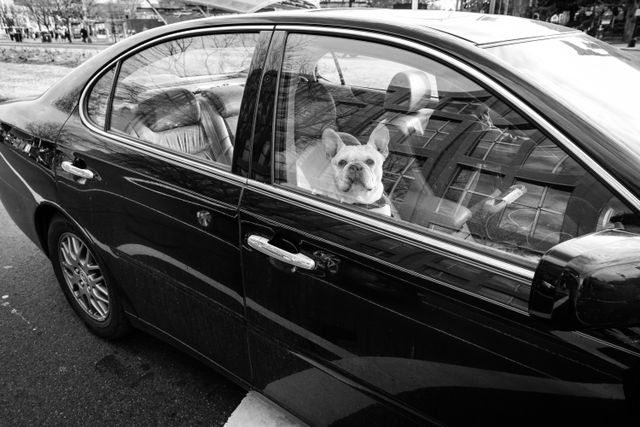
(67, 34)
(83, 33)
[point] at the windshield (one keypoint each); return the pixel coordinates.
(596, 80)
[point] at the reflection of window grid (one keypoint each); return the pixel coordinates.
(398, 177)
(469, 187)
(501, 144)
(458, 106)
(437, 130)
(548, 157)
(539, 209)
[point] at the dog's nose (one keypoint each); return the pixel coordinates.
(355, 167)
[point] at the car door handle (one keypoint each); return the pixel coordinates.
(74, 170)
(261, 244)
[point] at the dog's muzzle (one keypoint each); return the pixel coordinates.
(354, 174)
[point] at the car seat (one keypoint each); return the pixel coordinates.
(220, 110)
(171, 119)
(310, 111)
(408, 98)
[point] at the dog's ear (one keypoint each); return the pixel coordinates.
(332, 142)
(380, 139)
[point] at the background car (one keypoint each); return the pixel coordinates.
(180, 183)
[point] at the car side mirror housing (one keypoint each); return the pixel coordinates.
(590, 281)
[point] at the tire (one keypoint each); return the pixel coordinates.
(85, 281)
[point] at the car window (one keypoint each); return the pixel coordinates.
(408, 138)
(99, 98)
(350, 69)
(184, 95)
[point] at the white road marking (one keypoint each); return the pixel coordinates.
(17, 313)
(256, 410)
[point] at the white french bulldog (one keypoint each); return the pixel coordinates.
(357, 168)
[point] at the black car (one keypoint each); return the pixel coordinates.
(372, 217)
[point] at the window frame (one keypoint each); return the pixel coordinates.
(504, 263)
(140, 145)
(107, 119)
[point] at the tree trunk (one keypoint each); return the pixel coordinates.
(629, 20)
(70, 30)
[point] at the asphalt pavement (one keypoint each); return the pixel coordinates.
(54, 372)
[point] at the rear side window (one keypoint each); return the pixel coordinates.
(389, 132)
(184, 95)
(99, 98)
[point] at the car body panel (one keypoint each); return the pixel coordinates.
(28, 153)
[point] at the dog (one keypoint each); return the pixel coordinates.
(350, 172)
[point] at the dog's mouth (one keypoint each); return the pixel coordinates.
(350, 186)
(352, 183)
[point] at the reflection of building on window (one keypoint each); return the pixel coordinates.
(468, 172)
(461, 161)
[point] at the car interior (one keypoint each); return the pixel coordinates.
(201, 123)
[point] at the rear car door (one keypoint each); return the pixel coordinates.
(412, 308)
(162, 200)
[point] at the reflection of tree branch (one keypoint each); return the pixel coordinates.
(68, 102)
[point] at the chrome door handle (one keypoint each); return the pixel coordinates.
(261, 244)
(74, 170)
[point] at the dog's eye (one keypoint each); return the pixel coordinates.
(370, 162)
(342, 163)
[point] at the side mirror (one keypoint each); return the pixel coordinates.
(589, 281)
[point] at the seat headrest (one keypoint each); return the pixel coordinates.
(226, 99)
(170, 109)
(408, 92)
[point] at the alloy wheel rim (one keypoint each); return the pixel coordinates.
(84, 277)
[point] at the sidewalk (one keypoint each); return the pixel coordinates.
(624, 46)
(100, 43)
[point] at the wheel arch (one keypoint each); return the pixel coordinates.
(42, 217)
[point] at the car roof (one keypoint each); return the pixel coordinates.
(477, 28)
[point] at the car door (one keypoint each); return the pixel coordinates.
(412, 309)
(160, 198)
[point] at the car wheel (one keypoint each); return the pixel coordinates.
(85, 280)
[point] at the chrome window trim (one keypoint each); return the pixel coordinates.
(183, 160)
(557, 135)
(209, 169)
(529, 39)
(484, 262)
